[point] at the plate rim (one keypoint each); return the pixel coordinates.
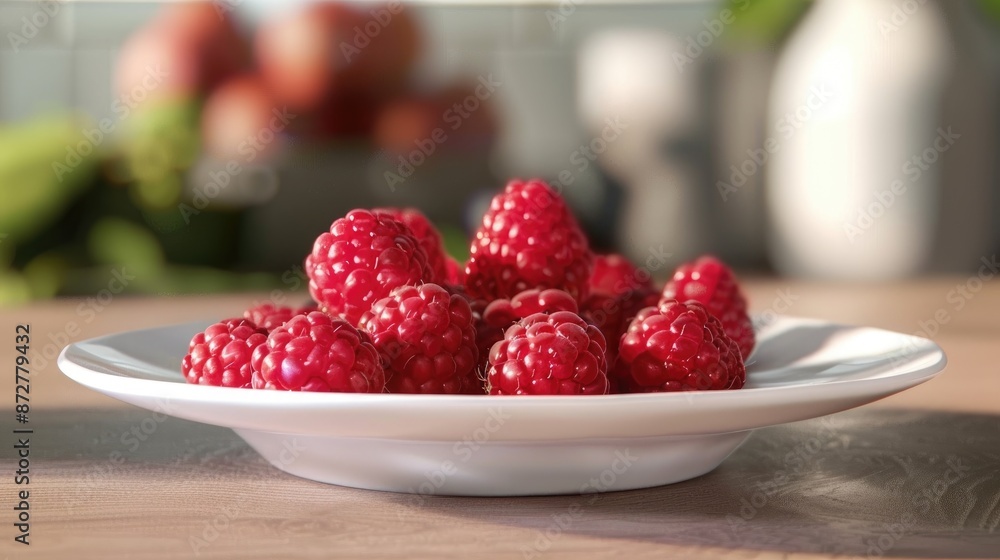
(77, 370)
(443, 422)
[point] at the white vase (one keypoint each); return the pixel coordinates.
(855, 99)
(630, 77)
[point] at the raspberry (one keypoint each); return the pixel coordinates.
(504, 312)
(528, 239)
(459, 290)
(360, 260)
(612, 314)
(711, 283)
(317, 352)
(221, 354)
(677, 347)
(426, 339)
(454, 272)
(427, 235)
(269, 316)
(614, 275)
(501, 313)
(549, 354)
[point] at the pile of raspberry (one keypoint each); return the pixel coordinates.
(532, 312)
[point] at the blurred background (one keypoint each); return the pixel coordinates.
(203, 146)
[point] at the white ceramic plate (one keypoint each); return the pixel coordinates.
(502, 446)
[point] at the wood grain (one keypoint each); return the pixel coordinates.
(830, 488)
(816, 489)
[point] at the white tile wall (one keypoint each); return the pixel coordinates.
(93, 68)
(34, 81)
(69, 62)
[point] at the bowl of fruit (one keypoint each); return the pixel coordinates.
(536, 367)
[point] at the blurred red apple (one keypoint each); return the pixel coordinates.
(386, 46)
(317, 53)
(299, 53)
(209, 25)
(406, 120)
(241, 121)
(349, 114)
(459, 118)
(187, 49)
(157, 63)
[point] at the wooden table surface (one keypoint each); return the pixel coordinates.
(871, 487)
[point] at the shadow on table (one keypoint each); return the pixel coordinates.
(864, 483)
(878, 483)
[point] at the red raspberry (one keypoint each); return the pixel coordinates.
(459, 290)
(711, 283)
(426, 339)
(502, 313)
(221, 354)
(360, 260)
(678, 347)
(486, 336)
(549, 354)
(455, 272)
(317, 352)
(612, 314)
(269, 316)
(614, 275)
(428, 236)
(528, 239)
